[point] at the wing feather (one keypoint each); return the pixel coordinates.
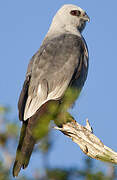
(52, 71)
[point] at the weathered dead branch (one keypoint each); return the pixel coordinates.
(88, 142)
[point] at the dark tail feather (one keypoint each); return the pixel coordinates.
(27, 140)
(17, 164)
(25, 148)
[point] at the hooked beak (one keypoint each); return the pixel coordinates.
(85, 17)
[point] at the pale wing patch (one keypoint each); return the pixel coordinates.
(42, 90)
(33, 104)
(30, 108)
(58, 91)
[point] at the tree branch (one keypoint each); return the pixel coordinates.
(88, 142)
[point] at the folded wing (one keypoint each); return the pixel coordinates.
(51, 72)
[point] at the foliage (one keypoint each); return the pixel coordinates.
(9, 132)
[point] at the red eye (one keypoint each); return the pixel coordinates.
(75, 13)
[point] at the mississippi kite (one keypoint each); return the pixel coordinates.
(60, 63)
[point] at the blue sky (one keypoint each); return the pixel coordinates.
(23, 25)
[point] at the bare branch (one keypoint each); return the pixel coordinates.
(88, 142)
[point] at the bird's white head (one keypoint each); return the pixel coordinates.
(69, 18)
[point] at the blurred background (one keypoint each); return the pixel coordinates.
(23, 25)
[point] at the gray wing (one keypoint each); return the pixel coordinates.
(53, 68)
(24, 92)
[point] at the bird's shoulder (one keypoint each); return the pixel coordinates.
(52, 50)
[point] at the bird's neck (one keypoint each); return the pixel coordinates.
(57, 29)
(72, 30)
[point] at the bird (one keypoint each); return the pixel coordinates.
(61, 63)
